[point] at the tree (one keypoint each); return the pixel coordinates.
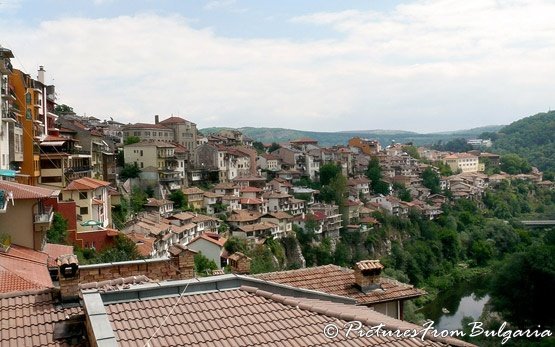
(328, 172)
(374, 174)
(179, 199)
(430, 180)
(124, 249)
(262, 260)
(455, 145)
(235, 244)
(203, 265)
(58, 231)
(522, 288)
(137, 199)
(513, 164)
(402, 192)
(259, 146)
(129, 171)
(338, 186)
(120, 212)
(63, 109)
(131, 140)
(274, 147)
(412, 151)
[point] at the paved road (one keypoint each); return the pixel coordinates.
(538, 222)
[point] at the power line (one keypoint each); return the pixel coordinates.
(167, 316)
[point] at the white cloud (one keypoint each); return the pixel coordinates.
(429, 65)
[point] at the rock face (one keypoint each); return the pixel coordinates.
(293, 253)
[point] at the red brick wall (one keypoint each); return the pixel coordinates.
(177, 267)
(67, 210)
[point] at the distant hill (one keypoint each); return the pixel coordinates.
(532, 138)
(268, 135)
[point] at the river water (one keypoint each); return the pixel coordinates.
(463, 300)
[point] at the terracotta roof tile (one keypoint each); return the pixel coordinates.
(86, 183)
(336, 280)
(23, 269)
(24, 191)
(247, 316)
(29, 319)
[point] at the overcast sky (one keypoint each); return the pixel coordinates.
(321, 65)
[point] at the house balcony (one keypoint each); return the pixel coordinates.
(169, 179)
(8, 116)
(76, 169)
(44, 217)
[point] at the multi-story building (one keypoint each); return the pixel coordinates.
(332, 223)
(8, 117)
(157, 155)
(365, 146)
(146, 132)
(62, 161)
(184, 131)
(92, 202)
(26, 213)
(464, 162)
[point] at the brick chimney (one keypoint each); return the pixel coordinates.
(367, 275)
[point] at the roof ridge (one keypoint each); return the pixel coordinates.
(260, 275)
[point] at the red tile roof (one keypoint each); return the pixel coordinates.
(28, 320)
(219, 241)
(173, 120)
(247, 316)
(86, 183)
(336, 280)
(23, 269)
(251, 201)
(24, 191)
(145, 126)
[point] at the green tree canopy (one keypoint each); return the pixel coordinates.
(328, 172)
(430, 180)
(203, 265)
(58, 231)
(129, 171)
(522, 288)
(513, 164)
(131, 140)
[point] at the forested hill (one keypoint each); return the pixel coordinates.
(532, 138)
(268, 135)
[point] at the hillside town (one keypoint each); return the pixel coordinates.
(177, 195)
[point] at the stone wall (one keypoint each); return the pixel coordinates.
(178, 266)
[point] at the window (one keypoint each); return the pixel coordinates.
(83, 210)
(83, 195)
(160, 133)
(141, 152)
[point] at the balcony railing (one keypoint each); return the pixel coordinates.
(45, 216)
(78, 169)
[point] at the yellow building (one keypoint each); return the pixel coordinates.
(463, 162)
(92, 201)
(26, 107)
